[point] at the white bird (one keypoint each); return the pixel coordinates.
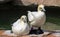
(37, 18)
(21, 27)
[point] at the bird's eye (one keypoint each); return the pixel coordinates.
(40, 8)
(22, 18)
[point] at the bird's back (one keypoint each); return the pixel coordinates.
(38, 18)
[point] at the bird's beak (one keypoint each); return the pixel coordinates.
(43, 9)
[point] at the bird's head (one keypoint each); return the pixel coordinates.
(41, 8)
(23, 18)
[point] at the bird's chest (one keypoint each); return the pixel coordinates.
(19, 26)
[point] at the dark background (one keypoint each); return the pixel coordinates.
(10, 13)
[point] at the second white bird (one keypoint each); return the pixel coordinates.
(21, 27)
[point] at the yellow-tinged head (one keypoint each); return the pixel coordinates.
(41, 8)
(23, 18)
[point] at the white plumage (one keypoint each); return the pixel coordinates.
(37, 18)
(21, 27)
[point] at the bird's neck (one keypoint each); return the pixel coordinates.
(22, 23)
(39, 11)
